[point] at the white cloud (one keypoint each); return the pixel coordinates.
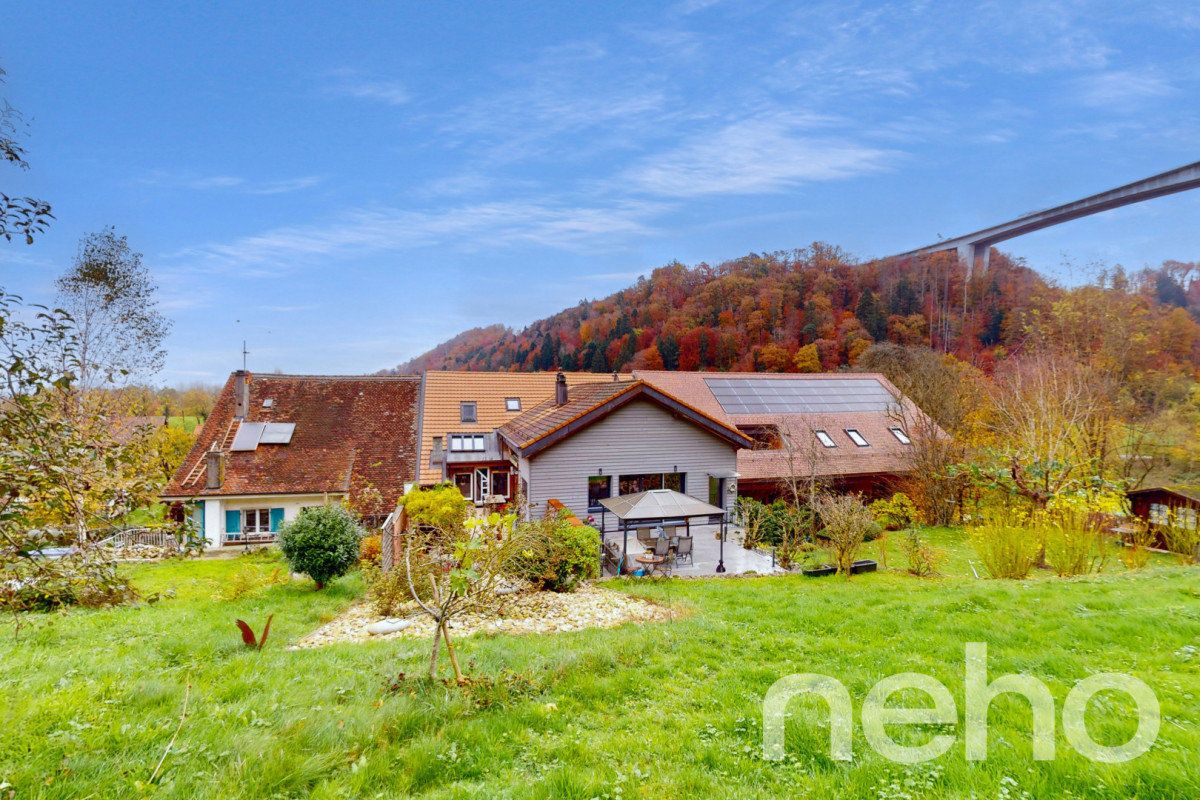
(1122, 90)
(352, 83)
(498, 224)
(228, 182)
(753, 156)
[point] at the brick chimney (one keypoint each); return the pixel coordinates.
(241, 394)
(560, 390)
(214, 466)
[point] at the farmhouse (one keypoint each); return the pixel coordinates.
(457, 422)
(275, 444)
(594, 441)
(855, 432)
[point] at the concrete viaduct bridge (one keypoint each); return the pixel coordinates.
(975, 247)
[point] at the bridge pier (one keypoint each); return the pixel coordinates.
(971, 252)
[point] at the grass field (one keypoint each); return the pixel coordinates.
(92, 698)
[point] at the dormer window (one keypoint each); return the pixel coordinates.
(825, 439)
(857, 437)
(466, 443)
(900, 435)
(512, 404)
(468, 411)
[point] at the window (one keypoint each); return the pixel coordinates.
(256, 520)
(825, 439)
(632, 484)
(467, 411)
(499, 482)
(599, 488)
(466, 443)
(512, 404)
(857, 437)
(1178, 517)
(900, 435)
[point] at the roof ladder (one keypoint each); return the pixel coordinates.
(225, 443)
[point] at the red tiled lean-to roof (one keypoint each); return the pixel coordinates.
(352, 432)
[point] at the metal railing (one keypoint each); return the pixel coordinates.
(141, 536)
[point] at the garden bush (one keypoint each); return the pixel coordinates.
(1138, 540)
(1075, 544)
(846, 523)
(441, 508)
(1007, 550)
(388, 592)
(321, 543)
(895, 513)
(924, 559)
(370, 549)
(558, 555)
(1183, 541)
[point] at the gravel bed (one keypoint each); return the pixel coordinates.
(526, 612)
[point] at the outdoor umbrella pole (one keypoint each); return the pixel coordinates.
(721, 561)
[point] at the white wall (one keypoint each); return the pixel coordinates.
(641, 437)
(215, 508)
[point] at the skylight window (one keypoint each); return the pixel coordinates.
(512, 404)
(857, 437)
(825, 439)
(900, 435)
(468, 411)
(269, 402)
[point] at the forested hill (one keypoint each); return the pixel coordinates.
(818, 309)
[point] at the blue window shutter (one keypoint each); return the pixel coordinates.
(233, 522)
(276, 518)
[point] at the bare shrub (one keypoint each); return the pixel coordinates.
(924, 560)
(846, 523)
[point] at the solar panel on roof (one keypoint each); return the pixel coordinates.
(278, 433)
(799, 395)
(247, 436)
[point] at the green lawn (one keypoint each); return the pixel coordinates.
(658, 711)
(188, 424)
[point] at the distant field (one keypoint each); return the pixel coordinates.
(189, 424)
(663, 710)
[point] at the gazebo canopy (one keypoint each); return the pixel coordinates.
(659, 504)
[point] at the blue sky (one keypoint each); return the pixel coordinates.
(346, 185)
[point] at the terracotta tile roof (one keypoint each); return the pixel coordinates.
(442, 392)
(547, 418)
(884, 453)
(351, 432)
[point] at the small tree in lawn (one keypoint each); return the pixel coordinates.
(457, 567)
(847, 523)
(321, 543)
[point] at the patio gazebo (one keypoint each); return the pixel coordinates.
(658, 506)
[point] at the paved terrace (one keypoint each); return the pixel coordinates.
(706, 553)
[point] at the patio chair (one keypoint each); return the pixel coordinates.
(662, 547)
(645, 536)
(684, 549)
